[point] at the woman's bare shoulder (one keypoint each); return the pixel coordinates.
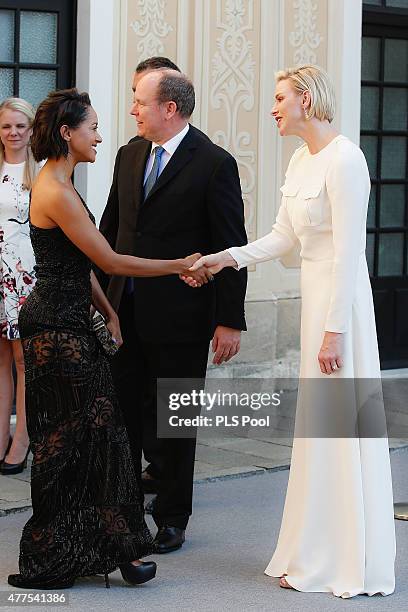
(50, 199)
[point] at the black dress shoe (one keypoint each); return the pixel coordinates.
(138, 574)
(169, 539)
(149, 484)
(17, 580)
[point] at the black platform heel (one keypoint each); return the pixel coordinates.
(107, 583)
(138, 574)
(8, 469)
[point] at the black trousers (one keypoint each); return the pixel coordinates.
(136, 368)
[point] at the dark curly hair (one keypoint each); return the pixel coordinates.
(63, 107)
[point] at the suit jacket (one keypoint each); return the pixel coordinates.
(195, 206)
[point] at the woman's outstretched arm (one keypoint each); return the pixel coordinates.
(66, 210)
(272, 246)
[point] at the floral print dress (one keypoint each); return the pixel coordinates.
(17, 275)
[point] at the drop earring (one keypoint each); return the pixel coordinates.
(307, 116)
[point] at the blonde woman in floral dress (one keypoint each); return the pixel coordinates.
(17, 276)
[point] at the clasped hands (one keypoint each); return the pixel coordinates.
(201, 269)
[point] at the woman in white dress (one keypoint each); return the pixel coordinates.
(337, 532)
(17, 276)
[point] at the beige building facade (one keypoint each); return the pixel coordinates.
(230, 49)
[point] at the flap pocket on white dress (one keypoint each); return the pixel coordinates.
(308, 191)
(311, 197)
(290, 190)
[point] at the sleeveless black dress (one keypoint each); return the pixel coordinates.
(87, 510)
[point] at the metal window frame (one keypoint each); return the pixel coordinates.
(385, 22)
(66, 11)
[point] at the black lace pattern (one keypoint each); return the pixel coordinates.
(87, 509)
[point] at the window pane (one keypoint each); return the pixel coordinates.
(370, 253)
(369, 147)
(369, 108)
(396, 60)
(395, 109)
(6, 36)
(38, 38)
(6, 83)
(394, 157)
(371, 207)
(397, 3)
(392, 211)
(35, 84)
(370, 59)
(390, 255)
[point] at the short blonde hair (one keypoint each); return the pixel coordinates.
(31, 168)
(316, 81)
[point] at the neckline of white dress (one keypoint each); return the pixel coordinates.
(325, 147)
(5, 163)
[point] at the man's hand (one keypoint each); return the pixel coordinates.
(331, 353)
(225, 344)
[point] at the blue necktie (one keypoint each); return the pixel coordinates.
(154, 173)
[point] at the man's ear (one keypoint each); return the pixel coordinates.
(171, 109)
(65, 132)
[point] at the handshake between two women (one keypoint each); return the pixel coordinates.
(203, 268)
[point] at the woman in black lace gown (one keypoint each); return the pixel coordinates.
(87, 511)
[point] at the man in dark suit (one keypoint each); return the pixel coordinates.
(149, 483)
(174, 192)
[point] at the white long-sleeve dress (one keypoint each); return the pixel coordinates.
(337, 533)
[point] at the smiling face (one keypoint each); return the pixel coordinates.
(288, 110)
(149, 114)
(83, 140)
(15, 131)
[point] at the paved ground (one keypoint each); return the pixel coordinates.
(216, 459)
(230, 540)
(254, 450)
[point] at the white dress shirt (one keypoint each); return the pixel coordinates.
(169, 149)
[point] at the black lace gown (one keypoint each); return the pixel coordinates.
(87, 510)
